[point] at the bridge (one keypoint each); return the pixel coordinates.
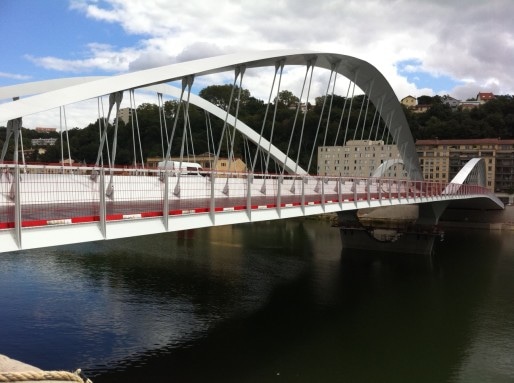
(47, 205)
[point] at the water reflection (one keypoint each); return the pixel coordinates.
(261, 302)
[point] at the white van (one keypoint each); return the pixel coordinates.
(185, 168)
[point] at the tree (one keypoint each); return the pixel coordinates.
(287, 99)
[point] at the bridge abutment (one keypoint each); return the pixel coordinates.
(408, 229)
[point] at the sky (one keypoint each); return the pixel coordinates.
(422, 47)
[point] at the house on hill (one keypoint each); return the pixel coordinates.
(483, 97)
(409, 102)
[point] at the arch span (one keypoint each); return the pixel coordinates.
(51, 85)
(365, 76)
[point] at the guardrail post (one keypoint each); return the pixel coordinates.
(340, 192)
(368, 190)
(249, 182)
(17, 206)
(103, 207)
(323, 199)
(303, 194)
(212, 210)
(280, 179)
(166, 200)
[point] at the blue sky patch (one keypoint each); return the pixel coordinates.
(412, 70)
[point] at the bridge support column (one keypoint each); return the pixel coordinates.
(409, 229)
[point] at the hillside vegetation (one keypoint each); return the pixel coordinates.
(491, 120)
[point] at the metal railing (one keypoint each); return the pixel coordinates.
(35, 195)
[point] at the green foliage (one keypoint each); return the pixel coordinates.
(493, 119)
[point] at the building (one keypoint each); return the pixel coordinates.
(125, 114)
(358, 158)
(468, 105)
(450, 101)
(46, 130)
(43, 141)
(409, 102)
(441, 160)
(483, 97)
(207, 162)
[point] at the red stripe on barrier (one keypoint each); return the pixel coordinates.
(202, 210)
(239, 207)
(271, 205)
(149, 214)
(114, 217)
(93, 218)
(175, 212)
(37, 222)
(218, 209)
(6, 225)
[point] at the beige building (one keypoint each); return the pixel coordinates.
(125, 114)
(441, 160)
(409, 101)
(358, 158)
(207, 162)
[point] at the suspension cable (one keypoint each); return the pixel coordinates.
(330, 105)
(138, 131)
(170, 141)
(265, 117)
(304, 117)
(342, 112)
(216, 159)
(189, 83)
(298, 108)
(320, 119)
(359, 118)
(231, 154)
(131, 95)
(280, 64)
(349, 111)
(159, 105)
(366, 112)
(375, 118)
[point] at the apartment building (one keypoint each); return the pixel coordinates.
(441, 160)
(125, 114)
(358, 158)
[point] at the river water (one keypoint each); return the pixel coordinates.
(264, 302)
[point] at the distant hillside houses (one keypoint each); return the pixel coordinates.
(411, 102)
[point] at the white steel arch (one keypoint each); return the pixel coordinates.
(51, 85)
(361, 72)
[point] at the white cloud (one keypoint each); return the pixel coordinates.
(473, 44)
(473, 41)
(15, 76)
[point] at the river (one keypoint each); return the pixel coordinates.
(263, 302)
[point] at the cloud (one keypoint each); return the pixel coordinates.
(476, 41)
(15, 76)
(421, 47)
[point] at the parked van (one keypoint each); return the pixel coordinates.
(185, 168)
